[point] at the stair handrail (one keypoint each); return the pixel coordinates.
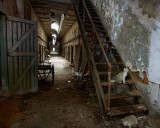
(105, 56)
(83, 35)
(99, 41)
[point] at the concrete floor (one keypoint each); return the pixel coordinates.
(62, 104)
(65, 104)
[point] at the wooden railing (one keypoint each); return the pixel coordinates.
(87, 51)
(104, 54)
(98, 87)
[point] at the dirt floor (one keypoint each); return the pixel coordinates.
(63, 104)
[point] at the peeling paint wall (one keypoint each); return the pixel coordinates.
(71, 39)
(133, 26)
(71, 33)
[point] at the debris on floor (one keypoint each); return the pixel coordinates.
(9, 113)
(63, 105)
(130, 121)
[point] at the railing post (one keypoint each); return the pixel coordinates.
(105, 56)
(99, 90)
(108, 90)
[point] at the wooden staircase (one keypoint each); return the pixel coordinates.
(105, 62)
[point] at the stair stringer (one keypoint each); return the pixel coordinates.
(90, 59)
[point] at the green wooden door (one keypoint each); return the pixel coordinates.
(19, 52)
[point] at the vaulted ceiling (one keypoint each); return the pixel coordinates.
(43, 9)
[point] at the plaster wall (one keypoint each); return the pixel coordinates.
(134, 28)
(71, 33)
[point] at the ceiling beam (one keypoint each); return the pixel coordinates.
(56, 10)
(43, 16)
(51, 2)
(45, 10)
(44, 20)
(51, 6)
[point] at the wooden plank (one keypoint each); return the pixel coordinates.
(52, 3)
(25, 35)
(28, 59)
(20, 20)
(24, 74)
(97, 83)
(32, 50)
(20, 61)
(78, 57)
(123, 95)
(22, 54)
(36, 50)
(123, 110)
(10, 59)
(3, 54)
(24, 58)
(83, 66)
(117, 84)
(26, 91)
(15, 58)
(104, 54)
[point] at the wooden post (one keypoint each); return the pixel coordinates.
(3, 54)
(108, 91)
(97, 83)
(105, 56)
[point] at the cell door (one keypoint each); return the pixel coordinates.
(18, 40)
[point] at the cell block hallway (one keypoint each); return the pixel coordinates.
(79, 64)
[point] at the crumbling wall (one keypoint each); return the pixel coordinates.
(134, 28)
(71, 39)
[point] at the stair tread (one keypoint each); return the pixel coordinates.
(123, 110)
(133, 93)
(106, 73)
(103, 63)
(101, 37)
(101, 73)
(104, 48)
(88, 7)
(109, 42)
(93, 18)
(90, 10)
(116, 83)
(97, 26)
(96, 21)
(98, 30)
